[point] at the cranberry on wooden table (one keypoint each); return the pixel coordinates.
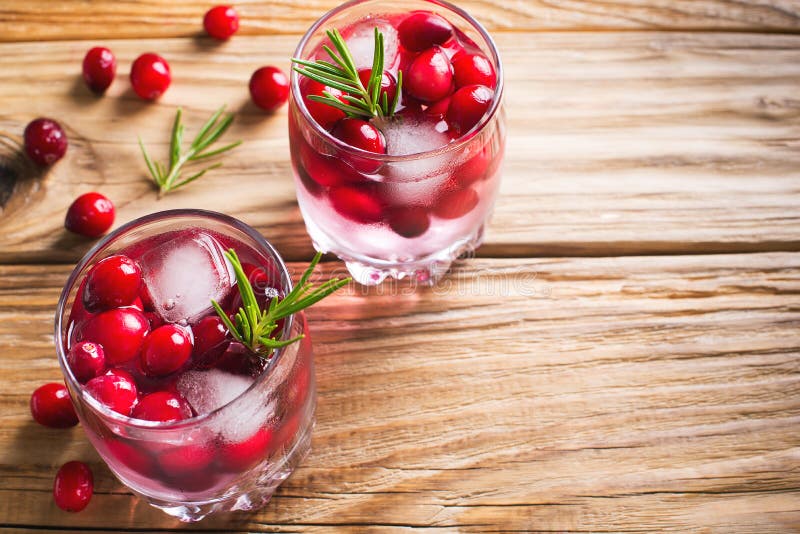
(269, 88)
(87, 360)
(221, 22)
(116, 389)
(73, 486)
(150, 76)
(45, 141)
(112, 282)
(51, 406)
(423, 29)
(90, 215)
(99, 68)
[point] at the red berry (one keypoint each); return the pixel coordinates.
(99, 68)
(467, 106)
(360, 134)
(221, 22)
(185, 459)
(51, 406)
(423, 29)
(409, 222)
(209, 333)
(150, 76)
(245, 454)
(325, 170)
(87, 360)
(112, 282)
(438, 109)
(269, 88)
(162, 406)
(45, 141)
(324, 114)
(131, 457)
(165, 350)
(90, 215)
(73, 486)
(356, 204)
(430, 77)
(388, 83)
(454, 204)
(473, 69)
(116, 389)
(120, 331)
(475, 168)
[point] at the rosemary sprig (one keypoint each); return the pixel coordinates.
(170, 178)
(364, 102)
(254, 327)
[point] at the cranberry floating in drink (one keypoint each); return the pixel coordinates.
(397, 135)
(185, 351)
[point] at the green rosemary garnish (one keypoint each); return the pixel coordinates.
(364, 102)
(169, 178)
(254, 327)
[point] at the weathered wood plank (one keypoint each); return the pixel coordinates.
(623, 143)
(76, 19)
(608, 394)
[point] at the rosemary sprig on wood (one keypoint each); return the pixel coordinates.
(169, 178)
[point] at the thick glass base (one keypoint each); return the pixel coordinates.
(426, 270)
(251, 497)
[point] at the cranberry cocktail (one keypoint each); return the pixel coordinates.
(186, 408)
(397, 135)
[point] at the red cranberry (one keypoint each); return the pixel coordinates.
(430, 77)
(409, 222)
(131, 456)
(237, 359)
(90, 215)
(473, 69)
(423, 29)
(221, 22)
(360, 134)
(245, 454)
(51, 406)
(165, 350)
(120, 331)
(185, 459)
(99, 68)
(356, 204)
(87, 360)
(388, 83)
(162, 406)
(209, 333)
(112, 282)
(45, 141)
(324, 114)
(150, 76)
(73, 486)
(454, 204)
(269, 88)
(475, 168)
(324, 170)
(467, 106)
(438, 109)
(116, 389)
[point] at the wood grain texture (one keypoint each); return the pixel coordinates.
(554, 395)
(22, 20)
(619, 143)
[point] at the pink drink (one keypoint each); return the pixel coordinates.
(425, 201)
(226, 427)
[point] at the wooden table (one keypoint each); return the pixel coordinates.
(622, 355)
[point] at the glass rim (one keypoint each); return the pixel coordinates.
(386, 158)
(128, 421)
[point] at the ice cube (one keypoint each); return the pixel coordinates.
(361, 42)
(209, 390)
(414, 181)
(184, 274)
